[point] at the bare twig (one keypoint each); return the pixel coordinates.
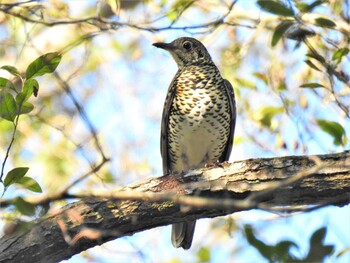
(82, 114)
(61, 194)
(113, 25)
(15, 124)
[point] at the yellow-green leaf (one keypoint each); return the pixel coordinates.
(5, 83)
(14, 175)
(30, 184)
(334, 129)
(8, 107)
(31, 86)
(339, 54)
(312, 85)
(203, 255)
(25, 108)
(12, 70)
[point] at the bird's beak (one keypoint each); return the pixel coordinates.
(166, 46)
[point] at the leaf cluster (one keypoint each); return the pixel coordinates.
(281, 252)
(14, 102)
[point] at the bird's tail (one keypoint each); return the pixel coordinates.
(182, 234)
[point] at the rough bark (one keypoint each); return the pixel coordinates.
(242, 185)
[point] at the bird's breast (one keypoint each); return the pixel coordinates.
(199, 120)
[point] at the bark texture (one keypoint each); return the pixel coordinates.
(243, 185)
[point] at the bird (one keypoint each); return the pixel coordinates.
(198, 120)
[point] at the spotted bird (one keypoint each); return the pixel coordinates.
(198, 119)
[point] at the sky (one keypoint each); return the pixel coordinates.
(146, 94)
(126, 111)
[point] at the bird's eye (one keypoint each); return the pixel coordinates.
(187, 45)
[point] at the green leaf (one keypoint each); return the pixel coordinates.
(317, 57)
(264, 249)
(8, 108)
(318, 250)
(339, 54)
(24, 207)
(5, 83)
(203, 254)
(299, 32)
(312, 85)
(334, 129)
(12, 70)
(30, 86)
(20, 98)
(275, 7)
(25, 108)
(279, 31)
(30, 184)
(324, 22)
(14, 175)
(282, 250)
(319, 235)
(44, 64)
(312, 65)
(278, 253)
(303, 7)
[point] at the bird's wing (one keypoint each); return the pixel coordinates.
(164, 146)
(232, 102)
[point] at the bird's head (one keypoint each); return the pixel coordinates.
(186, 51)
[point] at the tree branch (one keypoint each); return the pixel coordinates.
(106, 24)
(286, 183)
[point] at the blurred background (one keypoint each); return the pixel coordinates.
(106, 99)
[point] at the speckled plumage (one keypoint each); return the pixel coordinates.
(198, 118)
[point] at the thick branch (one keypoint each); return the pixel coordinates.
(255, 183)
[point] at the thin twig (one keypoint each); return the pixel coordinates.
(181, 12)
(61, 194)
(8, 149)
(98, 21)
(82, 114)
(95, 169)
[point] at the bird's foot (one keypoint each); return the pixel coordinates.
(216, 164)
(212, 164)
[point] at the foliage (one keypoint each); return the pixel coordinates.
(281, 252)
(12, 106)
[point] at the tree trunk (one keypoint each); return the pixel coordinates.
(287, 183)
